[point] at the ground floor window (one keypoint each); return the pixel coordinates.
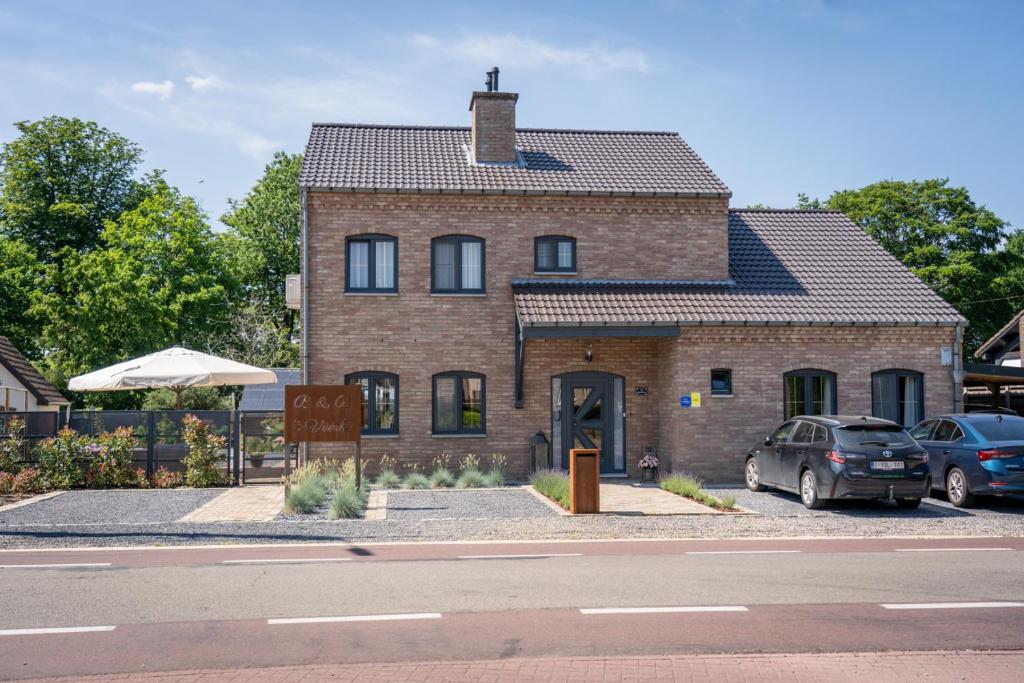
(380, 401)
(898, 395)
(459, 403)
(810, 392)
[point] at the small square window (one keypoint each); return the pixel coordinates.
(553, 254)
(721, 382)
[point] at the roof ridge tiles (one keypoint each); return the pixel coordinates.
(400, 126)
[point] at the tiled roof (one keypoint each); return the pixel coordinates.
(28, 376)
(433, 159)
(787, 266)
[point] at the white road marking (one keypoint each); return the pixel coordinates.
(741, 552)
(512, 557)
(363, 617)
(951, 605)
(285, 560)
(662, 610)
(62, 629)
(52, 566)
(942, 550)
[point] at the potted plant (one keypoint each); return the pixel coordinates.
(648, 468)
(256, 459)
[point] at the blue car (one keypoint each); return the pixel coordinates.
(974, 454)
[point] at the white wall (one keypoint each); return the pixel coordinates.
(17, 396)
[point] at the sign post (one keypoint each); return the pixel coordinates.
(325, 413)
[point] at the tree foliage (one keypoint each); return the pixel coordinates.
(22, 275)
(158, 279)
(61, 180)
(946, 239)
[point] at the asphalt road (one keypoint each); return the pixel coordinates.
(170, 609)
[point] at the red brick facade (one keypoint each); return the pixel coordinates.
(415, 334)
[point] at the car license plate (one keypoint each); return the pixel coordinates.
(887, 465)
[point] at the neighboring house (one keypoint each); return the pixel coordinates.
(22, 388)
(997, 380)
(484, 283)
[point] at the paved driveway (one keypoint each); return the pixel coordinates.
(780, 504)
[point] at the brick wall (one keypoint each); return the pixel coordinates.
(493, 127)
(712, 440)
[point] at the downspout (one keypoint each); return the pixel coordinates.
(958, 368)
(304, 304)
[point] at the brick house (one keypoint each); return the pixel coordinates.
(484, 283)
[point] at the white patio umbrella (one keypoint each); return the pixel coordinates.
(176, 369)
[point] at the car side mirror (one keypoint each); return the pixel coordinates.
(768, 441)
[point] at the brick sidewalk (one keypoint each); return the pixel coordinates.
(935, 667)
(241, 504)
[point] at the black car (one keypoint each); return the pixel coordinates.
(838, 456)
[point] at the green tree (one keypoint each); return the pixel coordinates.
(21, 277)
(158, 279)
(946, 239)
(263, 239)
(61, 179)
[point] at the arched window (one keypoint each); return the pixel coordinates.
(457, 265)
(898, 395)
(380, 401)
(554, 254)
(460, 403)
(810, 392)
(372, 264)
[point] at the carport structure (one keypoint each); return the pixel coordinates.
(999, 371)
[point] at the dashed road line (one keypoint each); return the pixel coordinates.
(60, 629)
(54, 566)
(516, 557)
(950, 605)
(286, 560)
(943, 550)
(361, 617)
(742, 552)
(663, 610)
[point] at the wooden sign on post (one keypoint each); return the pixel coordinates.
(324, 413)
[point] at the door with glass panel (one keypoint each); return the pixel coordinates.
(588, 411)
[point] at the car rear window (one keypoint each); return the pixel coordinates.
(873, 436)
(1006, 429)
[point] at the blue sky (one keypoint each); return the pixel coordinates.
(779, 97)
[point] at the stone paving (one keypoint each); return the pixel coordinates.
(241, 504)
(625, 497)
(936, 667)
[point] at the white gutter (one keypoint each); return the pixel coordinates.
(958, 368)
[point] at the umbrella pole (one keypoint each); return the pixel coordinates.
(177, 397)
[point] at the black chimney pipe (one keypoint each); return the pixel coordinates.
(495, 79)
(490, 82)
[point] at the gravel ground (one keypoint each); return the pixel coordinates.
(787, 518)
(496, 504)
(110, 507)
(779, 504)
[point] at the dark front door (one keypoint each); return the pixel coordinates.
(590, 418)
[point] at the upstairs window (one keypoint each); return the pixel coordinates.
(372, 264)
(459, 403)
(380, 401)
(810, 392)
(457, 265)
(554, 255)
(898, 395)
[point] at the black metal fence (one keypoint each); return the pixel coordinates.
(254, 448)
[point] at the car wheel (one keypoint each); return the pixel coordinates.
(752, 475)
(956, 489)
(809, 491)
(908, 503)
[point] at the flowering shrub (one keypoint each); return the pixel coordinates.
(163, 478)
(111, 465)
(203, 453)
(140, 479)
(6, 483)
(28, 481)
(58, 459)
(648, 462)
(12, 445)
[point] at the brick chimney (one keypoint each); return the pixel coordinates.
(493, 117)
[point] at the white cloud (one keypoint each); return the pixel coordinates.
(513, 50)
(204, 83)
(163, 89)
